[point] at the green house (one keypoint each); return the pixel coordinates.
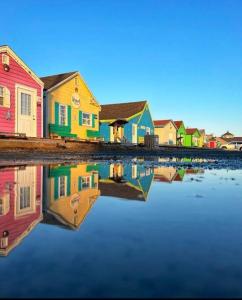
(192, 137)
(181, 133)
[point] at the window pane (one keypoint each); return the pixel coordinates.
(63, 115)
(24, 197)
(62, 186)
(25, 104)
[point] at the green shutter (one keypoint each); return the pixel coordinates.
(69, 116)
(80, 117)
(93, 120)
(79, 184)
(93, 183)
(68, 185)
(56, 188)
(56, 113)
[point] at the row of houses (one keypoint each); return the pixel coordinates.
(61, 195)
(63, 106)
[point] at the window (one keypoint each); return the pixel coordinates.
(62, 186)
(5, 59)
(24, 197)
(1, 207)
(63, 115)
(147, 130)
(86, 182)
(86, 119)
(1, 95)
(25, 104)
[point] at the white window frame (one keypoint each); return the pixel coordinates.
(84, 182)
(84, 120)
(24, 189)
(66, 116)
(5, 59)
(147, 130)
(2, 95)
(59, 186)
(28, 109)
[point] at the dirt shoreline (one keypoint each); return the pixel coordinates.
(23, 156)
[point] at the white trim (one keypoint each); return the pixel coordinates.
(27, 88)
(69, 78)
(10, 52)
(66, 108)
(90, 114)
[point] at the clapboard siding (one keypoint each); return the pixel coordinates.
(17, 75)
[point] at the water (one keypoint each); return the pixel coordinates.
(126, 229)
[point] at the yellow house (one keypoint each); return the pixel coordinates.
(70, 109)
(166, 130)
(202, 139)
(71, 192)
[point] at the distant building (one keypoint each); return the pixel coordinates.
(192, 137)
(166, 131)
(181, 133)
(227, 135)
(126, 122)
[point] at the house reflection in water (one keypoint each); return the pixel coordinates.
(70, 192)
(168, 174)
(126, 181)
(20, 204)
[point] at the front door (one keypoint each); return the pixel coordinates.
(26, 119)
(134, 133)
(25, 195)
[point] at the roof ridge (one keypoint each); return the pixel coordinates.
(59, 74)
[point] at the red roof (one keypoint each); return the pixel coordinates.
(161, 122)
(191, 130)
(178, 123)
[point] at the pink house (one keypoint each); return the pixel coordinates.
(21, 96)
(20, 204)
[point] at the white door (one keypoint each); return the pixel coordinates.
(25, 194)
(26, 118)
(134, 133)
(111, 134)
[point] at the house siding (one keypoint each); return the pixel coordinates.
(17, 75)
(75, 128)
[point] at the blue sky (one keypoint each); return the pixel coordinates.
(185, 57)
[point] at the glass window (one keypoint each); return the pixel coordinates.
(63, 115)
(25, 104)
(24, 197)
(1, 95)
(86, 119)
(86, 182)
(62, 186)
(1, 207)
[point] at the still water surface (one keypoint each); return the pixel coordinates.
(120, 229)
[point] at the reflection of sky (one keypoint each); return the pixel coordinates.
(174, 244)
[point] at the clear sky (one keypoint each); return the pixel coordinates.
(185, 57)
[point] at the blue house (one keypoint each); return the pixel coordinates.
(125, 181)
(126, 122)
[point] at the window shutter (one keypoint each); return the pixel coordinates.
(93, 120)
(69, 116)
(6, 94)
(80, 117)
(79, 184)
(56, 188)
(93, 181)
(68, 185)
(57, 113)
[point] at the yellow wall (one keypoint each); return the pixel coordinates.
(63, 94)
(201, 140)
(79, 201)
(164, 133)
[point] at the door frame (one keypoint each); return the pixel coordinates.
(34, 94)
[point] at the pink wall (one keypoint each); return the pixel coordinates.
(17, 75)
(17, 226)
